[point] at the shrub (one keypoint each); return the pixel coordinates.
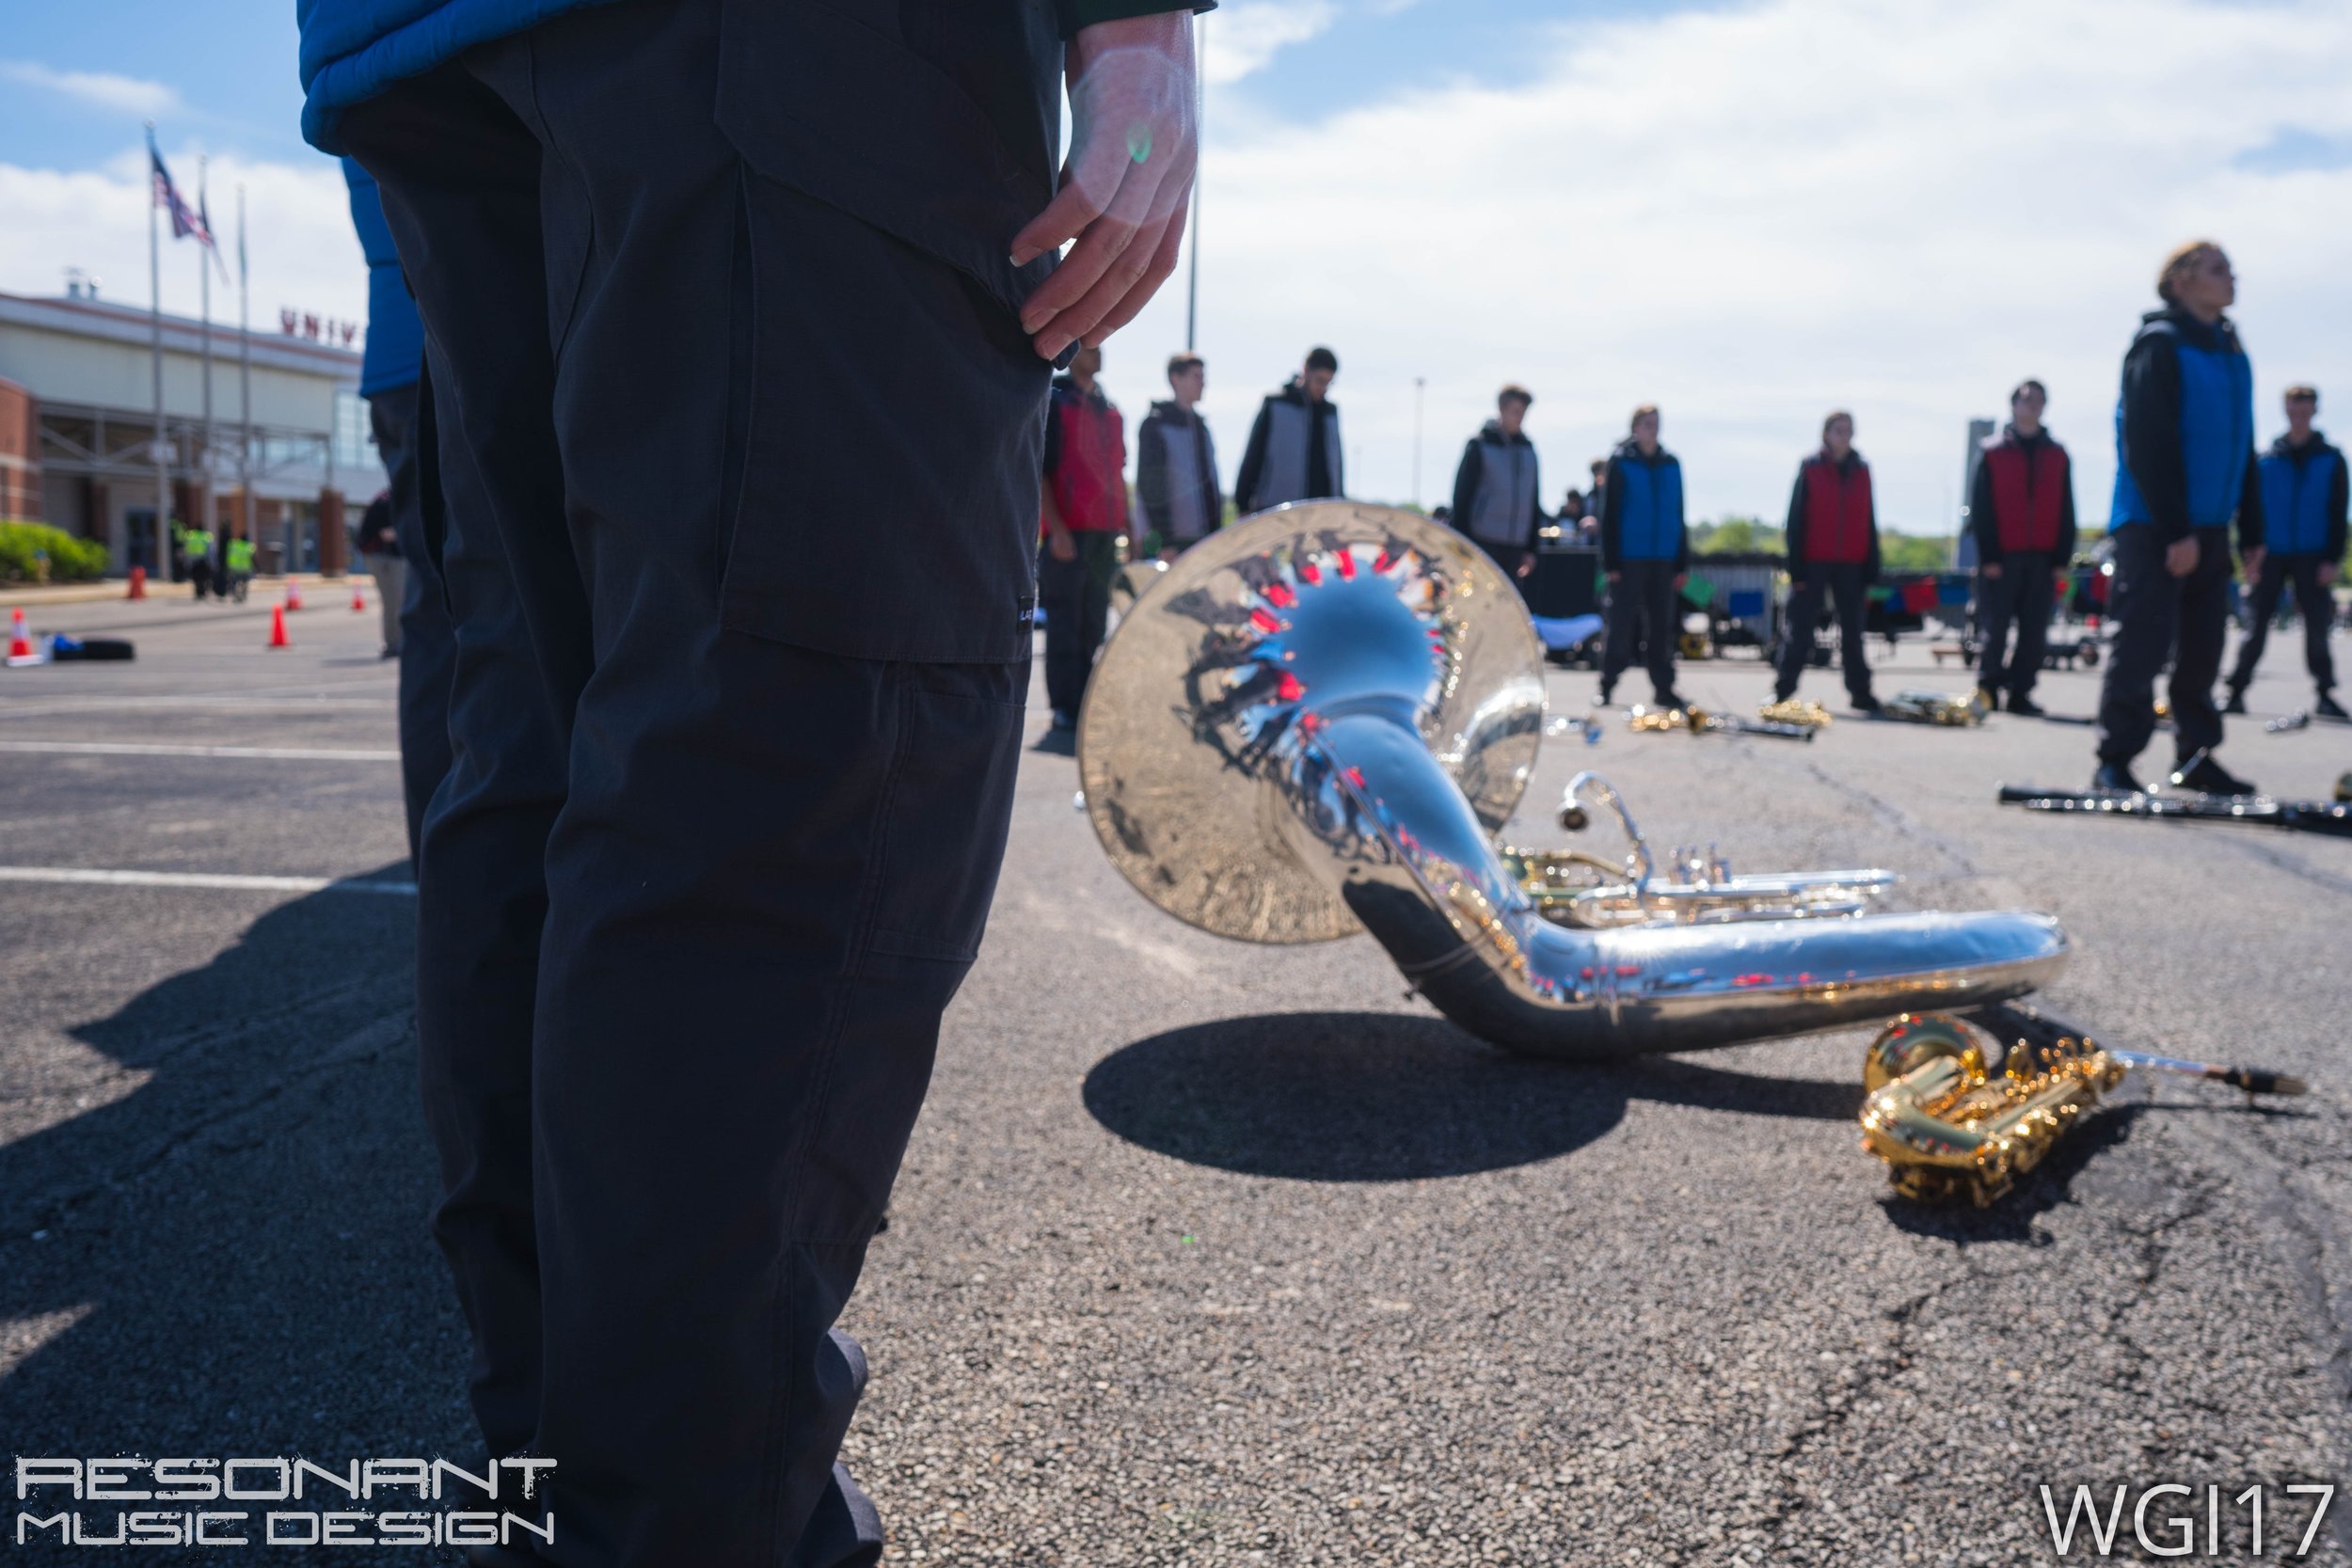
(35, 552)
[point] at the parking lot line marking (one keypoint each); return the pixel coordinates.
(68, 874)
(143, 749)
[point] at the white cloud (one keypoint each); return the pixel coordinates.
(304, 254)
(101, 90)
(1242, 38)
(1754, 216)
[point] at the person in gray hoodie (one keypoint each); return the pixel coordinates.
(1498, 486)
(1294, 452)
(1176, 464)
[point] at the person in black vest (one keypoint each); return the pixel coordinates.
(2021, 510)
(1646, 554)
(1833, 548)
(2185, 468)
(739, 320)
(2304, 496)
(1176, 464)
(1294, 451)
(1496, 487)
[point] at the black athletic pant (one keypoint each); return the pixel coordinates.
(1077, 596)
(692, 899)
(1643, 597)
(1815, 578)
(2021, 594)
(2312, 598)
(2164, 617)
(402, 420)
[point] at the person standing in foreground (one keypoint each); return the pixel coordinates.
(1294, 451)
(2021, 509)
(1833, 548)
(1083, 510)
(2304, 502)
(740, 398)
(1646, 554)
(2185, 467)
(1497, 487)
(1176, 478)
(391, 378)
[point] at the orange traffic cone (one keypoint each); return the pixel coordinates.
(278, 638)
(20, 646)
(358, 600)
(293, 594)
(138, 583)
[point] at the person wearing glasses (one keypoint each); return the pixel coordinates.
(2185, 471)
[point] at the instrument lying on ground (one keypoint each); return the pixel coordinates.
(1698, 721)
(2255, 811)
(1795, 710)
(1316, 722)
(1960, 1115)
(2299, 720)
(1935, 707)
(1574, 888)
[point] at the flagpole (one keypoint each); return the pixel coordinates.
(155, 293)
(249, 515)
(1199, 123)
(204, 260)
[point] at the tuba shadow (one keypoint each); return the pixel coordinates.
(1389, 1096)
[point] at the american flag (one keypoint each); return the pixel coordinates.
(185, 220)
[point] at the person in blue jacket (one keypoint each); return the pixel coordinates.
(391, 373)
(2185, 471)
(2304, 502)
(1645, 555)
(739, 318)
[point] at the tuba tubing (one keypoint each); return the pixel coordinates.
(1321, 718)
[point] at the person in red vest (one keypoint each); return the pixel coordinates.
(1833, 548)
(1083, 508)
(2021, 510)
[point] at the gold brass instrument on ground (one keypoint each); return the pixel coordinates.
(1698, 721)
(1795, 710)
(1936, 707)
(1958, 1111)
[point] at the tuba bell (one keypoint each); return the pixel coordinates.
(1318, 720)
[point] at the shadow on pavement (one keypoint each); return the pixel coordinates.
(1386, 1097)
(233, 1259)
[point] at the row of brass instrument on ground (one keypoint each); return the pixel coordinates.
(1960, 1109)
(1316, 723)
(1935, 707)
(1697, 721)
(2331, 817)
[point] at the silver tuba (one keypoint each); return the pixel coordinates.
(1318, 720)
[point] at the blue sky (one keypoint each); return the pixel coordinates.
(1749, 212)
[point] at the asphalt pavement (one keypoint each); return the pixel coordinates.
(1210, 1253)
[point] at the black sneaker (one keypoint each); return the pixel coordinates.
(1065, 722)
(2236, 703)
(2020, 702)
(2328, 707)
(1867, 704)
(1603, 698)
(2116, 776)
(1672, 701)
(2201, 775)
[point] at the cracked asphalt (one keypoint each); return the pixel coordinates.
(1207, 1254)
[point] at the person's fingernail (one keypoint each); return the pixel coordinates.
(1022, 258)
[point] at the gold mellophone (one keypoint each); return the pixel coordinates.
(1958, 1111)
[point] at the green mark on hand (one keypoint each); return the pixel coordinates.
(1139, 142)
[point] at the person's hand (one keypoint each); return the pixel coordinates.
(1060, 546)
(2327, 574)
(1126, 186)
(2253, 562)
(1992, 569)
(2180, 558)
